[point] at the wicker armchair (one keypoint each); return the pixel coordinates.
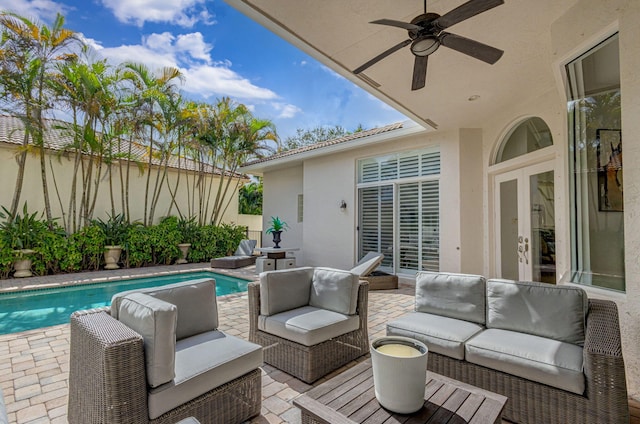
(309, 363)
(216, 377)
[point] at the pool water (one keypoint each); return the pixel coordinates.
(26, 310)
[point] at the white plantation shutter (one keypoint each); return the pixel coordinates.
(430, 163)
(376, 222)
(430, 226)
(415, 209)
(410, 166)
(369, 172)
(409, 226)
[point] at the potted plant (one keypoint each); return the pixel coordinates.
(276, 229)
(20, 233)
(115, 231)
(188, 229)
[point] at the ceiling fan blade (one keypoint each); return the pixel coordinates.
(399, 24)
(465, 11)
(470, 47)
(419, 72)
(382, 55)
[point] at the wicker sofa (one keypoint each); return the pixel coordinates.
(554, 353)
(140, 361)
(311, 321)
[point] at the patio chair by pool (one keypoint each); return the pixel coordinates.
(367, 264)
(156, 356)
(242, 257)
(311, 321)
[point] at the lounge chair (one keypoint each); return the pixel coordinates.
(367, 264)
(242, 257)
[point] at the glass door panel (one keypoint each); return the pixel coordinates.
(525, 221)
(543, 234)
(509, 230)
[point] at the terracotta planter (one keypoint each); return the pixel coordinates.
(22, 264)
(112, 256)
(184, 249)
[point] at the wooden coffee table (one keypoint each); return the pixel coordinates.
(349, 398)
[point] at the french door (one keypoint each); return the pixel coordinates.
(525, 224)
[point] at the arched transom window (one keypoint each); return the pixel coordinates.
(528, 136)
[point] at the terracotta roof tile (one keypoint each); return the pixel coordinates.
(57, 138)
(333, 142)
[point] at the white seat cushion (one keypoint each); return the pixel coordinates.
(308, 325)
(546, 361)
(204, 362)
(442, 335)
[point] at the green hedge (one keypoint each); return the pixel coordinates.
(57, 252)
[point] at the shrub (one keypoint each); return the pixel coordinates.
(165, 238)
(90, 241)
(55, 252)
(139, 247)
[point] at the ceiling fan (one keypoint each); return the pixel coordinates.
(426, 35)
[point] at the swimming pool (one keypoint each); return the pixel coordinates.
(26, 310)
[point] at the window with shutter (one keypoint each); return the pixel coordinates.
(398, 204)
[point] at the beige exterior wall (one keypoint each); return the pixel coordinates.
(63, 172)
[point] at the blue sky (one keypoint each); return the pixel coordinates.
(221, 53)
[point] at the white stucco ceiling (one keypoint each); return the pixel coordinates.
(338, 33)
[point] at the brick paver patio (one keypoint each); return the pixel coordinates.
(34, 365)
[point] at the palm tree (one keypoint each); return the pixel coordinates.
(29, 54)
(247, 137)
(153, 96)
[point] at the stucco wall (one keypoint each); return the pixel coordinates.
(280, 198)
(330, 234)
(63, 171)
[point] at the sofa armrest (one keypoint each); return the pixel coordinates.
(107, 382)
(253, 290)
(362, 306)
(603, 363)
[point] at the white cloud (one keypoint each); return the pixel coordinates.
(41, 10)
(185, 13)
(209, 80)
(286, 110)
(191, 54)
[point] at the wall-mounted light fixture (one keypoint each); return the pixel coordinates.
(343, 206)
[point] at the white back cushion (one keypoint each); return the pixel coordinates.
(155, 320)
(284, 290)
(459, 296)
(554, 312)
(195, 300)
(335, 290)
